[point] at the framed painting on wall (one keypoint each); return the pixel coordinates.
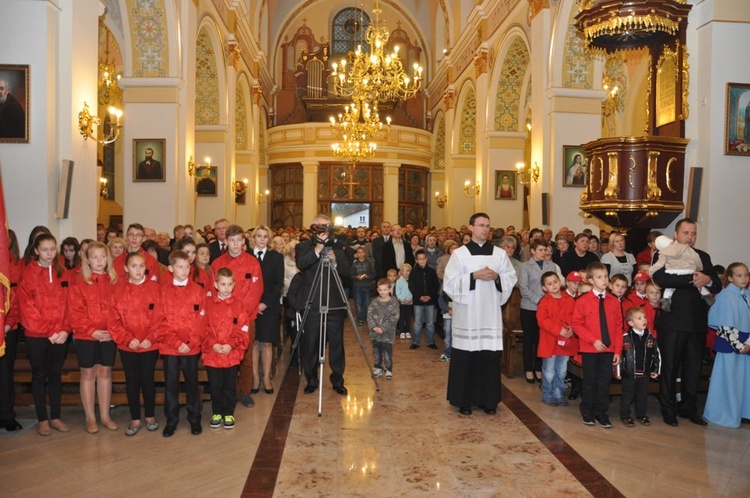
(148, 160)
(205, 181)
(737, 123)
(505, 185)
(14, 103)
(575, 173)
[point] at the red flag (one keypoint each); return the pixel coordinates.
(4, 269)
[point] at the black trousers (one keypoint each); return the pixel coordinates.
(335, 338)
(531, 363)
(404, 318)
(46, 369)
(222, 382)
(139, 377)
(189, 366)
(597, 374)
(7, 391)
(680, 349)
(634, 389)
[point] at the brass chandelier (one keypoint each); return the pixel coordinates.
(357, 126)
(375, 76)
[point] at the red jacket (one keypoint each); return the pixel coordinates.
(42, 299)
(202, 279)
(553, 314)
(651, 314)
(132, 313)
(180, 317)
(88, 305)
(226, 323)
(152, 266)
(586, 322)
(645, 256)
(248, 279)
(633, 300)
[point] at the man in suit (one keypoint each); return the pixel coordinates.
(396, 251)
(218, 246)
(308, 257)
(682, 332)
(377, 248)
(150, 168)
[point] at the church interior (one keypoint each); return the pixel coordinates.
(594, 114)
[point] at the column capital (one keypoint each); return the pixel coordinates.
(391, 168)
(310, 166)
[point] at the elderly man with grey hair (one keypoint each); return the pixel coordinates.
(12, 115)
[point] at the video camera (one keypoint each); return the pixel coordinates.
(334, 241)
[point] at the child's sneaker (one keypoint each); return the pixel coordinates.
(215, 421)
(377, 372)
(388, 375)
(402, 336)
(408, 335)
(443, 357)
(229, 422)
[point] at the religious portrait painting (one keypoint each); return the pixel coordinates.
(14, 103)
(575, 166)
(148, 160)
(737, 125)
(205, 181)
(505, 185)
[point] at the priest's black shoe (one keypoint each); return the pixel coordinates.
(13, 425)
(671, 420)
(310, 389)
(341, 390)
(169, 430)
(465, 410)
(489, 410)
(696, 419)
(195, 429)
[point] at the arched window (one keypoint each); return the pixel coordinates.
(348, 31)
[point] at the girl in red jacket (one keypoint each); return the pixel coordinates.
(557, 343)
(134, 302)
(88, 309)
(197, 274)
(224, 346)
(42, 293)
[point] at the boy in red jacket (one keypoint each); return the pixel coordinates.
(557, 342)
(180, 324)
(249, 290)
(224, 346)
(598, 323)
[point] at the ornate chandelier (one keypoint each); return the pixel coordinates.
(357, 126)
(375, 76)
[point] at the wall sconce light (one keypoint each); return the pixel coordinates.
(192, 166)
(239, 188)
(261, 198)
(471, 190)
(440, 200)
(86, 123)
(103, 190)
(527, 176)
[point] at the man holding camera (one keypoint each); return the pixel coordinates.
(309, 255)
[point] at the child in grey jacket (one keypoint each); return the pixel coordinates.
(382, 316)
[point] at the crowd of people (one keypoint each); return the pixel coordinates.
(232, 297)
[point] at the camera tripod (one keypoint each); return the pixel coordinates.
(323, 287)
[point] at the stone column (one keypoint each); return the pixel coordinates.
(310, 190)
(390, 191)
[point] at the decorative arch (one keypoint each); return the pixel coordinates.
(510, 87)
(466, 118)
(438, 158)
(571, 65)
(241, 116)
(149, 39)
(207, 79)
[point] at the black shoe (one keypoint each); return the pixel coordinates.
(13, 425)
(169, 430)
(603, 420)
(489, 410)
(195, 429)
(247, 401)
(341, 390)
(744, 420)
(671, 420)
(696, 419)
(309, 389)
(255, 391)
(628, 422)
(268, 391)
(432, 346)
(414, 346)
(573, 395)
(587, 419)
(465, 410)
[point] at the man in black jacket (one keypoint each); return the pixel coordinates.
(396, 251)
(308, 257)
(424, 287)
(377, 248)
(682, 332)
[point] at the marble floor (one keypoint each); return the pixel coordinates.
(403, 440)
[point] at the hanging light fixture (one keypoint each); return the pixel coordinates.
(357, 126)
(375, 75)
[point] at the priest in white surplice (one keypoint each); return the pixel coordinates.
(479, 278)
